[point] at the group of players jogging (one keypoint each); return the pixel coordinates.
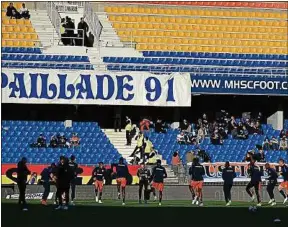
(155, 181)
(66, 172)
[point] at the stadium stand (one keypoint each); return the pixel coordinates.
(232, 149)
(17, 135)
(174, 39)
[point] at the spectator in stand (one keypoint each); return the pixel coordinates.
(63, 32)
(128, 129)
(274, 144)
(140, 145)
(53, 141)
(282, 133)
(63, 142)
(266, 144)
(41, 141)
(148, 148)
(233, 125)
(144, 125)
(260, 157)
(190, 155)
(205, 120)
(33, 178)
(75, 140)
(184, 125)
(181, 138)
(10, 8)
(83, 28)
(69, 29)
(176, 162)
(192, 137)
(159, 126)
(283, 144)
(258, 127)
(24, 12)
(200, 135)
(215, 138)
(243, 133)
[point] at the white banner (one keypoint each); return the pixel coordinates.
(90, 87)
(37, 196)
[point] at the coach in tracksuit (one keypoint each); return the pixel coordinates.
(22, 173)
(272, 182)
(228, 176)
(73, 166)
(144, 174)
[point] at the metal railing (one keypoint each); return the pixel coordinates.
(54, 16)
(93, 21)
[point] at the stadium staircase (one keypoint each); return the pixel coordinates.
(44, 28)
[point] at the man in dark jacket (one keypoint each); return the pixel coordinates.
(46, 178)
(64, 175)
(82, 33)
(228, 176)
(255, 173)
(10, 8)
(22, 173)
(73, 166)
(272, 182)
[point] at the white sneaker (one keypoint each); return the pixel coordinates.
(99, 201)
(253, 198)
(228, 204)
(123, 204)
(58, 208)
(65, 207)
(25, 209)
(285, 200)
(96, 199)
(160, 204)
(273, 204)
(259, 205)
(155, 198)
(201, 204)
(197, 203)
(194, 200)
(271, 201)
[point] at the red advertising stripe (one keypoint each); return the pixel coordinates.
(87, 170)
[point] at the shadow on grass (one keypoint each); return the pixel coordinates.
(84, 215)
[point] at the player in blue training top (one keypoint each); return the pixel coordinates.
(121, 178)
(272, 182)
(284, 184)
(158, 175)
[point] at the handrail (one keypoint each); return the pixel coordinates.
(54, 16)
(93, 21)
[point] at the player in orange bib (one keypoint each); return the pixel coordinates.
(158, 175)
(98, 177)
(121, 176)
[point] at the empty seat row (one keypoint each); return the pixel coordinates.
(189, 61)
(36, 57)
(46, 65)
(21, 50)
(7, 21)
(195, 12)
(199, 34)
(17, 5)
(261, 5)
(165, 69)
(189, 21)
(212, 49)
(24, 36)
(18, 29)
(214, 55)
(225, 42)
(20, 43)
(197, 27)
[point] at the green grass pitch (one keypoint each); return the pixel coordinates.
(111, 213)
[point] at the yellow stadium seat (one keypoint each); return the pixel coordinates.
(115, 9)
(181, 12)
(12, 21)
(10, 43)
(27, 36)
(5, 21)
(3, 42)
(20, 22)
(108, 9)
(174, 11)
(148, 11)
(121, 10)
(13, 28)
(111, 17)
(3, 14)
(23, 29)
(3, 29)
(18, 5)
(4, 5)
(12, 36)
(128, 10)
(134, 10)
(116, 25)
(141, 10)
(5, 36)
(20, 36)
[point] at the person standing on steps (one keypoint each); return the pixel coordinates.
(128, 129)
